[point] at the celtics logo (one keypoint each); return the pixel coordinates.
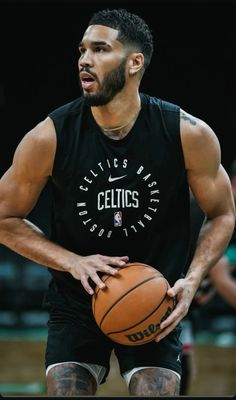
(117, 197)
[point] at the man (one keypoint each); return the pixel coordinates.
(120, 164)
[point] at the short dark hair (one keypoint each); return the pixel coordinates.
(133, 30)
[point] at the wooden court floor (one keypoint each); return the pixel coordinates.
(22, 371)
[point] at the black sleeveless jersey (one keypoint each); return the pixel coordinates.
(121, 197)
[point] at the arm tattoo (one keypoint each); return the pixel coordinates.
(154, 382)
(188, 118)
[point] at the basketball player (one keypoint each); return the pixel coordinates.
(120, 164)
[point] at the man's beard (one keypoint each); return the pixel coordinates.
(113, 83)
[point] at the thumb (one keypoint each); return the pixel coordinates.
(174, 290)
(171, 292)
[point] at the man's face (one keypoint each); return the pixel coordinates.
(102, 65)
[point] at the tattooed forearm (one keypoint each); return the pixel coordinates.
(70, 380)
(154, 382)
(189, 118)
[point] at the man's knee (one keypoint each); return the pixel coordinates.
(154, 381)
(68, 379)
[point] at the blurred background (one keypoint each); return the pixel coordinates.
(194, 66)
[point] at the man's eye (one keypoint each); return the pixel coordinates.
(99, 49)
(81, 50)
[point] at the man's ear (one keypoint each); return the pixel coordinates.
(135, 63)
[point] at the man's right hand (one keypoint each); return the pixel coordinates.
(89, 266)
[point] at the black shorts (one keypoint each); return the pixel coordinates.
(73, 335)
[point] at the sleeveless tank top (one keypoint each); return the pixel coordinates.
(121, 197)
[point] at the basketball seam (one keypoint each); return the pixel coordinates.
(142, 320)
(125, 294)
(97, 289)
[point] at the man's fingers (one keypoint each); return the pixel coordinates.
(165, 331)
(125, 258)
(86, 285)
(109, 270)
(116, 261)
(104, 264)
(163, 334)
(95, 278)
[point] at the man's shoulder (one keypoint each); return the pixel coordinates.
(71, 108)
(161, 104)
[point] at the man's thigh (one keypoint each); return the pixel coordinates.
(73, 336)
(154, 381)
(165, 354)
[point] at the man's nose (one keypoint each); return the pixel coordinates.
(86, 59)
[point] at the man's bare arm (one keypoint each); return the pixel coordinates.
(211, 188)
(20, 188)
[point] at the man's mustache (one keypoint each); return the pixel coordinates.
(86, 69)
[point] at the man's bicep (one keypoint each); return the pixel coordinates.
(207, 178)
(212, 192)
(18, 195)
(32, 164)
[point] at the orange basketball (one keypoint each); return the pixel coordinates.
(133, 304)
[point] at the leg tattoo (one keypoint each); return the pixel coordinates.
(69, 380)
(154, 382)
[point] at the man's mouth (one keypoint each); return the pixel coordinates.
(87, 80)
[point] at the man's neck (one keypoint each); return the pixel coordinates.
(118, 117)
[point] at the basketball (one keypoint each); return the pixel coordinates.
(131, 307)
